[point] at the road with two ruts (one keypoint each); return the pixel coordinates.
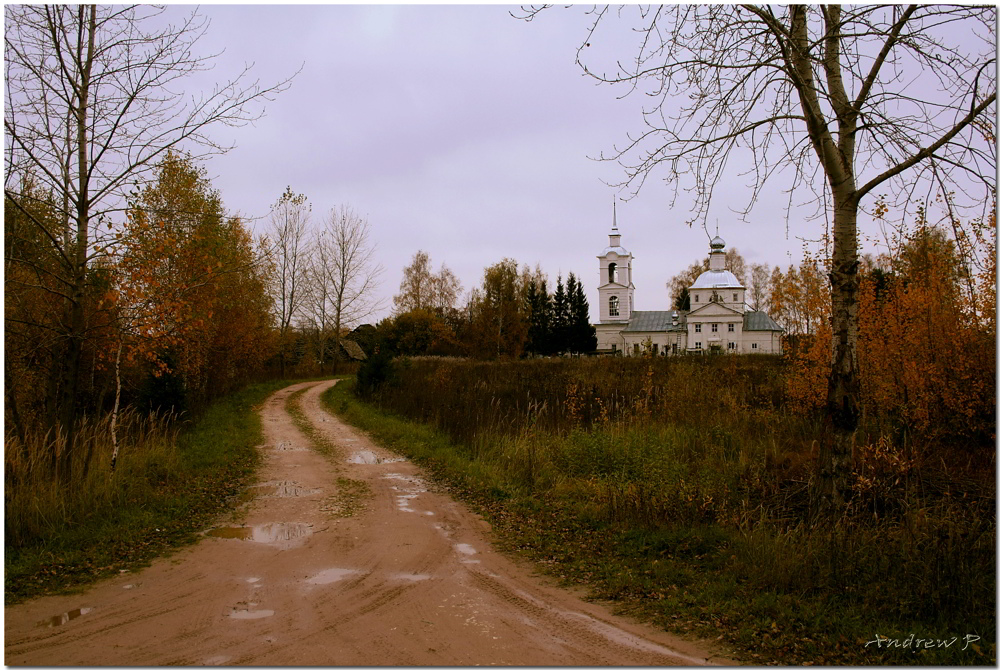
(346, 559)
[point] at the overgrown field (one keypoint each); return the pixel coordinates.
(171, 479)
(680, 490)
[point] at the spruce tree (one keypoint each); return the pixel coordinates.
(539, 306)
(560, 319)
(582, 335)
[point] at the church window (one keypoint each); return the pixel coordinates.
(715, 327)
(614, 348)
(697, 345)
(732, 327)
(732, 345)
(613, 305)
(697, 298)
(753, 346)
(635, 348)
(697, 327)
(613, 272)
(656, 348)
(736, 297)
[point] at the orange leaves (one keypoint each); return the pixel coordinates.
(927, 362)
(926, 355)
(180, 263)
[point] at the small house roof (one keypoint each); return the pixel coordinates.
(353, 349)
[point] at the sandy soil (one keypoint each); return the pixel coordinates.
(311, 578)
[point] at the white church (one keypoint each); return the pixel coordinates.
(718, 321)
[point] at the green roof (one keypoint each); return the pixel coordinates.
(655, 322)
(759, 321)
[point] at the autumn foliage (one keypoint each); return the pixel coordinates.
(190, 286)
(176, 310)
(926, 344)
(928, 357)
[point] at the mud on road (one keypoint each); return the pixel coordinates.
(346, 559)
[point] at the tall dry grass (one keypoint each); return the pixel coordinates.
(651, 448)
(39, 505)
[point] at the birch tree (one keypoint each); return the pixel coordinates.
(349, 275)
(94, 97)
(421, 288)
(844, 105)
(289, 249)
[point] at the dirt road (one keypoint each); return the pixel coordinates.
(338, 561)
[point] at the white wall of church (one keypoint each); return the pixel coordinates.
(761, 342)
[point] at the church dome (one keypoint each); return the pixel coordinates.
(716, 279)
(620, 250)
(717, 243)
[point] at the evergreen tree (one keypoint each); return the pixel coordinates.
(582, 335)
(559, 320)
(683, 301)
(539, 308)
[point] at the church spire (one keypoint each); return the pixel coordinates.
(614, 238)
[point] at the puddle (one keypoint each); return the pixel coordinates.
(282, 535)
(250, 614)
(410, 577)
(413, 487)
(287, 446)
(466, 549)
(65, 617)
(332, 575)
(364, 457)
(368, 457)
(403, 502)
(287, 489)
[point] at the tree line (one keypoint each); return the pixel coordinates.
(180, 303)
(509, 315)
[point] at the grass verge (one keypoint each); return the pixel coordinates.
(157, 503)
(775, 594)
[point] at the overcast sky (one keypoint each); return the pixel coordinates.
(464, 132)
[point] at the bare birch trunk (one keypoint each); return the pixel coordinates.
(114, 412)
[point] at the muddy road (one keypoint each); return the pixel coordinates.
(343, 560)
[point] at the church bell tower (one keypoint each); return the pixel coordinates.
(615, 288)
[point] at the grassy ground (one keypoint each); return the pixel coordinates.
(692, 529)
(168, 485)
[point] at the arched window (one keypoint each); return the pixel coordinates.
(613, 305)
(613, 272)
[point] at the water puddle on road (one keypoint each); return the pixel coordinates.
(411, 488)
(332, 575)
(368, 457)
(65, 617)
(281, 535)
(468, 550)
(285, 489)
(250, 614)
(410, 577)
